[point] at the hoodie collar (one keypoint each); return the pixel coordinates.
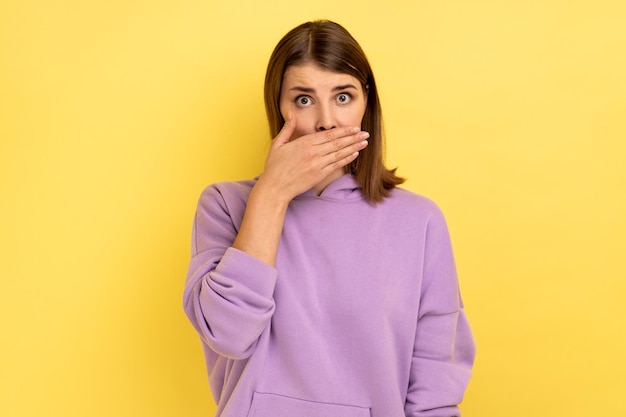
(344, 188)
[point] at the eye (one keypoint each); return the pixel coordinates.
(303, 101)
(344, 98)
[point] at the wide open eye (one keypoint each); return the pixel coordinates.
(303, 101)
(344, 98)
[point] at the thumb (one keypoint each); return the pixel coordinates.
(284, 136)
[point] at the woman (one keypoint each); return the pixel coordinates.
(319, 288)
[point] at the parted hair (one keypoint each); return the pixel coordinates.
(332, 48)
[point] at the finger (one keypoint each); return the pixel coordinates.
(331, 135)
(342, 162)
(357, 141)
(284, 136)
(347, 152)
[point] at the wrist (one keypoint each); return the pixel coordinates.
(265, 192)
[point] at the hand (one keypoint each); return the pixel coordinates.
(295, 166)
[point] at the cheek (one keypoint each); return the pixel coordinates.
(355, 117)
(303, 123)
(355, 112)
(305, 120)
(303, 127)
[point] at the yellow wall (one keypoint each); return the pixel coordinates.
(115, 114)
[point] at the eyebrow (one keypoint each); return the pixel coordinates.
(312, 90)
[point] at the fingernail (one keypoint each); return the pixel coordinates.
(364, 135)
(354, 130)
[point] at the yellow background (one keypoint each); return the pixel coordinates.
(115, 114)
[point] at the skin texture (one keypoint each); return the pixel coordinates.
(322, 135)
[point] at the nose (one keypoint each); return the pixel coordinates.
(325, 119)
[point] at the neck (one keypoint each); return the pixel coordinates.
(320, 186)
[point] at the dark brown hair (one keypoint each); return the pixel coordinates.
(330, 46)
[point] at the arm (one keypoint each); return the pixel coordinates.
(291, 168)
(228, 294)
(444, 349)
(230, 284)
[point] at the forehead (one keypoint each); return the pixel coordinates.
(311, 75)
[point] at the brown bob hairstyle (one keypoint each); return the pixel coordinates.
(330, 46)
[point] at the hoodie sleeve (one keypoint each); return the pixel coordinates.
(228, 294)
(444, 349)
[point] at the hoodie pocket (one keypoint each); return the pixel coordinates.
(273, 405)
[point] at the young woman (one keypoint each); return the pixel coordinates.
(319, 289)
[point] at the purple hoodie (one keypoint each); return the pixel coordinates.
(361, 317)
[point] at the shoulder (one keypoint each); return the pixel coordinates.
(227, 191)
(431, 221)
(418, 210)
(225, 197)
(413, 202)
